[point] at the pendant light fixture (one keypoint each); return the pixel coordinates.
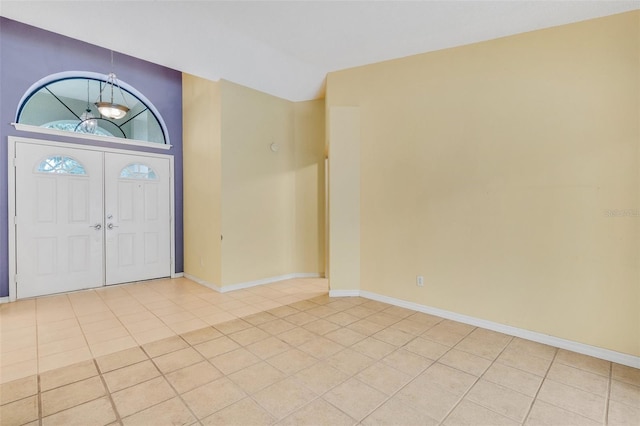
(111, 109)
(88, 123)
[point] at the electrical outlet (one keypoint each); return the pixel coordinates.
(420, 281)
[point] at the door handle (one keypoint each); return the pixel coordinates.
(97, 226)
(110, 226)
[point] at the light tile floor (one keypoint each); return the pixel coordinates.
(174, 352)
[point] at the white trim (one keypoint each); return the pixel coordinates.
(249, 284)
(344, 293)
(4, 300)
(177, 275)
(570, 345)
(11, 207)
(98, 138)
(11, 147)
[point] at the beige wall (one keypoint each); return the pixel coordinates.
(309, 126)
(267, 205)
(344, 199)
(488, 169)
(258, 200)
(202, 178)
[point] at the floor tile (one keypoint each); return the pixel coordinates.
(626, 393)
(142, 396)
(243, 412)
(468, 413)
(408, 362)
(543, 413)
(293, 339)
(175, 360)
(355, 398)
(502, 400)
(623, 414)
(321, 377)
(350, 361)
(284, 397)
(292, 361)
(193, 376)
(20, 412)
(321, 347)
(386, 379)
(345, 336)
(66, 375)
(296, 336)
(374, 348)
(256, 377)
(427, 348)
(573, 399)
(207, 399)
(394, 412)
(164, 346)
(467, 362)
(318, 412)
(170, 413)
(581, 379)
(625, 374)
(18, 389)
(216, 347)
(514, 379)
(268, 347)
(233, 361)
(131, 375)
(97, 412)
(584, 362)
(520, 359)
(68, 396)
(248, 336)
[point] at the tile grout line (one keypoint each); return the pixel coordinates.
(535, 398)
(108, 391)
(178, 394)
(477, 379)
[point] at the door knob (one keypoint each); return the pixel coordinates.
(97, 226)
(111, 226)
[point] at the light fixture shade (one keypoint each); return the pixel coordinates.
(88, 123)
(111, 110)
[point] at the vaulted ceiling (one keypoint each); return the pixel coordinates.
(286, 48)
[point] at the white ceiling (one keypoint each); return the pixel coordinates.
(286, 48)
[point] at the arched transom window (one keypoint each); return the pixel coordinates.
(67, 102)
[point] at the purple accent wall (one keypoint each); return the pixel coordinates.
(28, 54)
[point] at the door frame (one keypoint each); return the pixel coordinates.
(11, 181)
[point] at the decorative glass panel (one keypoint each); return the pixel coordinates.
(68, 101)
(138, 171)
(63, 165)
(74, 126)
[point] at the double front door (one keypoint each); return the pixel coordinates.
(89, 218)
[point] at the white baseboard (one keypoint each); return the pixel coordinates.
(4, 299)
(344, 293)
(200, 281)
(570, 345)
(177, 275)
(249, 284)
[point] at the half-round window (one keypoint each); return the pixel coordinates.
(68, 102)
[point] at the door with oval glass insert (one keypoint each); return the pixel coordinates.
(137, 218)
(87, 218)
(59, 219)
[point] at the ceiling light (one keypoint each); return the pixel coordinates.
(88, 123)
(111, 109)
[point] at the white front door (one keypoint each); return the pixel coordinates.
(137, 218)
(59, 219)
(86, 218)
